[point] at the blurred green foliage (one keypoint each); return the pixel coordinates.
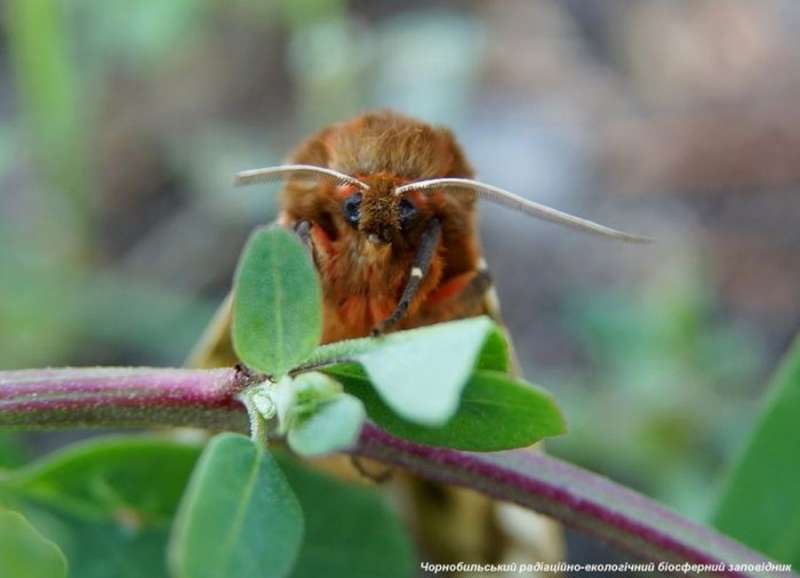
(56, 301)
(92, 500)
(760, 503)
(677, 379)
(48, 90)
(24, 553)
(106, 502)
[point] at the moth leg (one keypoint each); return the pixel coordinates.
(420, 267)
(376, 477)
(315, 239)
(303, 230)
(478, 287)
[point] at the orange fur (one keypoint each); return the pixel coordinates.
(451, 288)
(362, 282)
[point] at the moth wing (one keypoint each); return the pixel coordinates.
(215, 347)
(491, 308)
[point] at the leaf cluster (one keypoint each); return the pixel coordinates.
(147, 507)
(447, 385)
(151, 507)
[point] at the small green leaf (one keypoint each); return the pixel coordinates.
(422, 378)
(312, 388)
(494, 354)
(350, 531)
(277, 305)
(135, 477)
(495, 413)
(761, 502)
(24, 553)
(420, 373)
(239, 518)
(296, 398)
(333, 426)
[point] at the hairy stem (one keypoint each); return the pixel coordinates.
(120, 397)
(115, 397)
(578, 498)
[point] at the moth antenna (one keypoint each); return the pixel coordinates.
(271, 174)
(508, 199)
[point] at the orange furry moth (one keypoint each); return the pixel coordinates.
(387, 206)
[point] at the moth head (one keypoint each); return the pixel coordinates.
(382, 208)
(368, 204)
(376, 212)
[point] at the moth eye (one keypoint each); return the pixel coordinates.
(408, 212)
(352, 209)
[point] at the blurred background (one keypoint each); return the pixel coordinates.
(121, 125)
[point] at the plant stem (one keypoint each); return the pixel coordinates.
(257, 423)
(121, 397)
(115, 397)
(578, 498)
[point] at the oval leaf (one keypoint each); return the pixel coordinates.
(495, 413)
(108, 502)
(494, 353)
(333, 426)
(277, 303)
(420, 373)
(350, 531)
(422, 378)
(24, 553)
(239, 517)
(103, 549)
(133, 477)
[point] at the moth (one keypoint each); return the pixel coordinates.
(387, 207)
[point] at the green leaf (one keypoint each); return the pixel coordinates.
(495, 354)
(239, 517)
(760, 505)
(24, 553)
(103, 549)
(350, 531)
(134, 478)
(420, 373)
(12, 450)
(332, 426)
(107, 502)
(495, 413)
(309, 390)
(277, 304)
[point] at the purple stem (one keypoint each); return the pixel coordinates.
(115, 397)
(120, 397)
(578, 498)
